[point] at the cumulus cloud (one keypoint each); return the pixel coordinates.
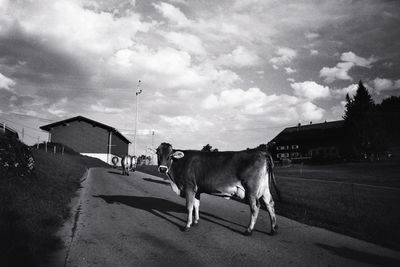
(284, 55)
(382, 84)
(311, 35)
(6, 83)
(310, 90)
(341, 70)
(239, 57)
(340, 93)
(289, 70)
(314, 52)
(187, 42)
(173, 14)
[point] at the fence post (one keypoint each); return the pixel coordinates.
(4, 127)
(54, 149)
(62, 151)
(45, 146)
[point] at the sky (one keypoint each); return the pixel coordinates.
(232, 74)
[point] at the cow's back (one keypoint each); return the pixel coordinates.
(213, 172)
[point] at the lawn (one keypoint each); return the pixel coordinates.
(33, 207)
(357, 199)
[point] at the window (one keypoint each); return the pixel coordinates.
(295, 146)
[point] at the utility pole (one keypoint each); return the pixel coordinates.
(138, 91)
(152, 147)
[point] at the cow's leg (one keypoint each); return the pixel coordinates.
(254, 209)
(269, 203)
(190, 199)
(196, 210)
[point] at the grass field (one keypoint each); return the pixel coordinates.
(358, 199)
(33, 208)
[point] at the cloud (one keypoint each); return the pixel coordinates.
(173, 14)
(340, 93)
(314, 52)
(187, 42)
(239, 57)
(310, 90)
(58, 109)
(6, 83)
(382, 84)
(284, 56)
(289, 70)
(311, 35)
(102, 108)
(340, 71)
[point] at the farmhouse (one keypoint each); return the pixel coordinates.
(88, 137)
(304, 142)
(8, 131)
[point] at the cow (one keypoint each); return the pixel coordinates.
(125, 163)
(132, 166)
(114, 161)
(240, 174)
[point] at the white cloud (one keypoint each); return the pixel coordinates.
(58, 109)
(340, 71)
(173, 14)
(310, 90)
(240, 57)
(6, 83)
(314, 52)
(310, 111)
(338, 110)
(284, 56)
(289, 70)
(358, 61)
(382, 84)
(340, 93)
(186, 42)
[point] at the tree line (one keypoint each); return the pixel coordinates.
(371, 129)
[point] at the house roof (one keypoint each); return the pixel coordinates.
(308, 131)
(81, 118)
(10, 130)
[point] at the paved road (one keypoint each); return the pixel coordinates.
(136, 221)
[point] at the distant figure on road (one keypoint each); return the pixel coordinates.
(125, 163)
(133, 163)
(114, 161)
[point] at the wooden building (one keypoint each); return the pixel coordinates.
(313, 141)
(88, 137)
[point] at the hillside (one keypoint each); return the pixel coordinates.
(34, 201)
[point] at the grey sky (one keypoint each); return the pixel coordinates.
(229, 73)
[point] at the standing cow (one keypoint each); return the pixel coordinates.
(133, 164)
(125, 163)
(228, 174)
(114, 161)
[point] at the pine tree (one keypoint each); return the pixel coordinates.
(361, 122)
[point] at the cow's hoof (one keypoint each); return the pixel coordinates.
(186, 229)
(247, 233)
(195, 223)
(273, 230)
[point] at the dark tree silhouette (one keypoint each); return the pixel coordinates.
(364, 127)
(208, 148)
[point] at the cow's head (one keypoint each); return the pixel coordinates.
(166, 155)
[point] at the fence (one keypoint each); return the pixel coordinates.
(363, 211)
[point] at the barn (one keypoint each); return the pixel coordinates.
(88, 137)
(311, 141)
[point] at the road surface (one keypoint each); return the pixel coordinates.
(137, 221)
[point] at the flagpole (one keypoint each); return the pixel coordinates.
(138, 91)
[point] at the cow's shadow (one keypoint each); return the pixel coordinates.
(156, 181)
(164, 209)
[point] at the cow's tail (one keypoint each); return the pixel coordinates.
(270, 171)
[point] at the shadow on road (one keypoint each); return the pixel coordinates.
(155, 181)
(162, 208)
(361, 256)
(115, 172)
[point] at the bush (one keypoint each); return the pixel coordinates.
(16, 159)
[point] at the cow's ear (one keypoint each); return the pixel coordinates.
(178, 155)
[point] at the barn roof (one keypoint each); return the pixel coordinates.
(309, 131)
(81, 118)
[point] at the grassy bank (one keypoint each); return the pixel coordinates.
(357, 199)
(33, 207)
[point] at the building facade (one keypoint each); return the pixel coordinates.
(313, 141)
(88, 137)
